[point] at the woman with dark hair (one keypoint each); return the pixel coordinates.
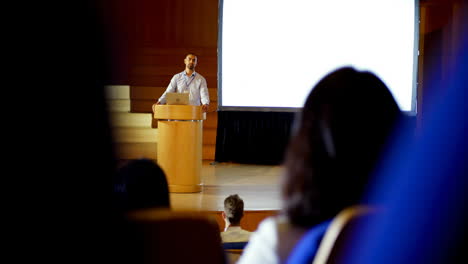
(337, 140)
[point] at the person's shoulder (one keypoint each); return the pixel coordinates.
(269, 223)
(223, 235)
(179, 74)
(278, 223)
(243, 231)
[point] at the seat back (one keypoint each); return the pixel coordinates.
(341, 229)
(177, 237)
(233, 250)
(233, 255)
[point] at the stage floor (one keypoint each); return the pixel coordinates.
(257, 185)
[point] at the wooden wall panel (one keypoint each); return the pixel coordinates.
(211, 120)
(209, 71)
(165, 23)
(167, 30)
(173, 51)
(164, 59)
(142, 105)
(209, 136)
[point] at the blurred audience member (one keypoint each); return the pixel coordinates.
(232, 215)
(337, 140)
(141, 184)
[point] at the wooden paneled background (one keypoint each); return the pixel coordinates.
(149, 39)
(149, 42)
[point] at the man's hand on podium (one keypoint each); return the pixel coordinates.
(154, 105)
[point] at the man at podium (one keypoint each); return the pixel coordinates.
(190, 82)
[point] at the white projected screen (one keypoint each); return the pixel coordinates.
(274, 51)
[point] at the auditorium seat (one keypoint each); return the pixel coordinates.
(233, 250)
(233, 255)
(177, 237)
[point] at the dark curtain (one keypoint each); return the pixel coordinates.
(259, 137)
(253, 137)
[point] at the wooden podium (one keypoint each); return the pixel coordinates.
(179, 143)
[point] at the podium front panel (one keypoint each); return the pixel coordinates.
(180, 153)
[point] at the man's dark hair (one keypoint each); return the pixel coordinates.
(191, 53)
(234, 209)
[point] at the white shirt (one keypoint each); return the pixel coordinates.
(271, 242)
(235, 234)
(194, 84)
(262, 246)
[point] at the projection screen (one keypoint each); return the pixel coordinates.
(272, 52)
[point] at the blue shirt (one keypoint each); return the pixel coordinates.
(307, 247)
(195, 85)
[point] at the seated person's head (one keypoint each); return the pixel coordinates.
(233, 209)
(335, 144)
(141, 184)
